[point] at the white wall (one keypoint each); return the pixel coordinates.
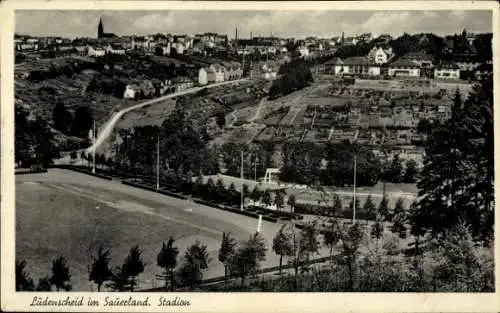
(202, 77)
(410, 72)
(447, 73)
(374, 71)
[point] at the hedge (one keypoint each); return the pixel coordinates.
(30, 172)
(306, 208)
(82, 170)
(153, 189)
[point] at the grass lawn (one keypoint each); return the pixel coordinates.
(56, 215)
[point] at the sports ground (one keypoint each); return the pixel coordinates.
(70, 214)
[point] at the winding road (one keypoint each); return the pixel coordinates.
(107, 129)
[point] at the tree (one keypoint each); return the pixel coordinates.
(457, 179)
(82, 122)
(279, 200)
(256, 194)
(458, 259)
(35, 143)
(133, 266)
(282, 245)
(23, 280)
(309, 236)
(266, 198)
(167, 259)
(62, 117)
(44, 284)
(351, 240)
(60, 274)
(196, 259)
(100, 271)
(221, 190)
(411, 172)
(247, 259)
(211, 190)
(231, 194)
(291, 202)
(331, 237)
(383, 208)
(377, 228)
(226, 252)
(337, 205)
(340, 167)
(456, 107)
(119, 280)
(369, 208)
(399, 219)
(246, 192)
(357, 206)
(73, 156)
(394, 173)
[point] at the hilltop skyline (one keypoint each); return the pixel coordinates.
(324, 24)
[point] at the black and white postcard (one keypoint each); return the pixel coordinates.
(249, 156)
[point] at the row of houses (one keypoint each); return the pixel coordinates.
(201, 76)
(402, 67)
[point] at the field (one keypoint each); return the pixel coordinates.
(70, 214)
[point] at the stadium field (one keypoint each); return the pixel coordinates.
(71, 214)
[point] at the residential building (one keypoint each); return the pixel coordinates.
(334, 66)
(268, 72)
(366, 37)
(403, 68)
(447, 70)
(81, 50)
(304, 51)
(130, 91)
(483, 71)
(143, 89)
(203, 75)
(211, 74)
(384, 38)
(421, 58)
(380, 55)
(360, 66)
(232, 70)
(96, 51)
(115, 48)
(350, 41)
(181, 83)
(217, 73)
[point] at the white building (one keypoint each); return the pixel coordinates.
(404, 68)
(203, 76)
(304, 51)
(380, 55)
(115, 49)
(96, 51)
(130, 91)
(447, 71)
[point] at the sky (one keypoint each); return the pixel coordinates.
(297, 24)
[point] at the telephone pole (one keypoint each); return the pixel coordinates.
(158, 164)
(93, 149)
(241, 180)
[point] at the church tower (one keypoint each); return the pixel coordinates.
(100, 30)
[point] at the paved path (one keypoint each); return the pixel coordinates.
(107, 128)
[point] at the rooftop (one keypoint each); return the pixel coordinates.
(403, 63)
